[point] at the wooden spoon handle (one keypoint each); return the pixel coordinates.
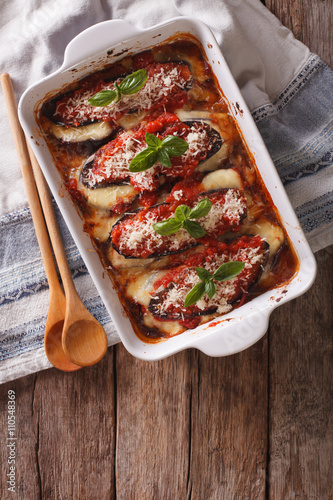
(29, 183)
(53, 228)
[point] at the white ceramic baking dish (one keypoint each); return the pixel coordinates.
(89, 51)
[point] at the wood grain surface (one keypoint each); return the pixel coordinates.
(310, 21)
(300, 387)
(256, 425)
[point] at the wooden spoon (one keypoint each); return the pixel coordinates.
(84, 341)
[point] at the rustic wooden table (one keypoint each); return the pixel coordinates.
(254, 425)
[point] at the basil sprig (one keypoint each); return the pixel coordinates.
(226, 272)
(158, 150)
(182, 219)
(129, 85)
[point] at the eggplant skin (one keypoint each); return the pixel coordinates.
(149, 244)
(168, 303)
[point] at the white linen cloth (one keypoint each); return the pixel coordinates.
(277, 75)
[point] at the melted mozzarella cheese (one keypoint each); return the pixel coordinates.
(109, 197)
(221, 179)
(272, 233)
(128, 122)
(169, 328)
(101, 226)
(92, 132)
(141, 287)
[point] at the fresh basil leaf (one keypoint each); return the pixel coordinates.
(228, 270)
(194, 229)
(134, 82)
(159, 151)
(116, 86)
(163, 158)
(181, 213)
(143, 160)
(202, 209)
(174, 146)
(203, 274)
(131, 84)
(167, 227)
(152, 141)
(103, 98)
(210, 288)
(195, 294)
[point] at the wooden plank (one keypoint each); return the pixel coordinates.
(76, 427)
(153, 411)
(301, 403)
(229, 426)
(192, 426)
(27, 483)
(310, 21)
(65, 433)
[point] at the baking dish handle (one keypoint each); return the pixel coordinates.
(98, 37)
(236, 336)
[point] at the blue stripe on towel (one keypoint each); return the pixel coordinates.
(308, 170)
(313, 65)
(316, 212)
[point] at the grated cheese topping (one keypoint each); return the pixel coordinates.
(232, 208)
(177, 195)
(195, 139)
(142, 231)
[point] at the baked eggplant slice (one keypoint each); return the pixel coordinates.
(198, 183)
(89, 133)
(165, 87)
(71, 119)
(133, 235)
(167, 303)
(110, 163)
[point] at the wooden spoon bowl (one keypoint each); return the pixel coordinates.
(83, 339)
(53, 331)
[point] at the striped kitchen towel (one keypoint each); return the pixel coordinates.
(287, 89)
